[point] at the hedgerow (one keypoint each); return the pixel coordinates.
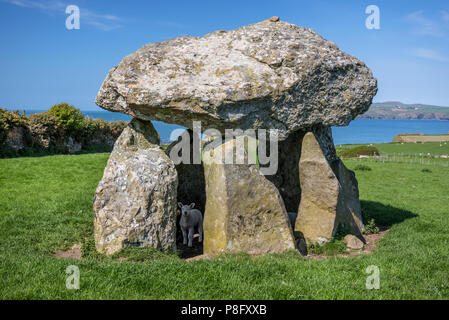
(49, 132)
(358, 151)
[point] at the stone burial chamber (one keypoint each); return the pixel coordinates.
(271, 75)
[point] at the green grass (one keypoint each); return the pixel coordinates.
(328, 249)
(358, 151)
(362, 167)
(434, 148)
(46, 205)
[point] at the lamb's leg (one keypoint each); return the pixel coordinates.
(190, 236)
(184, 236)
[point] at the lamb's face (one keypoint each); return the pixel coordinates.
(185, 208)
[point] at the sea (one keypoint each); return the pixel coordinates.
(358, 131)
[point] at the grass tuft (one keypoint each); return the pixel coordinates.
(331, 248)
(362, 167)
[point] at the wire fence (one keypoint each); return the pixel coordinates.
(418, 158)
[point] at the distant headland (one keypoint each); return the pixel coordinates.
(399, 110)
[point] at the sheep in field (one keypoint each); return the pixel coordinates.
(190, 218)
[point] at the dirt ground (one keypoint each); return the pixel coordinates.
(196, 251)
(370, 245)
(73, 253)
(189, 253)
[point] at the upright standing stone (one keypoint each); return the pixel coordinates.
(286, 178)
(244, 211)
(326, 201)
(135, 201)
(349, 198)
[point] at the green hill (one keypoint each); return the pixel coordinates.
(399, 110)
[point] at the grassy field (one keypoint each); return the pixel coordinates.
(434, 148)
(46, 205)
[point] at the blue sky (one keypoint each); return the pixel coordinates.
(42, 63)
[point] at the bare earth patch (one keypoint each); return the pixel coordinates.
(120, 259)
(73, 253)
(199, 257)
(371, 242)
(370, 245)
(196, 253)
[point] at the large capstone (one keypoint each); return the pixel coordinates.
(329, 193)
(244, 211)
(272, 75)
(135, 201)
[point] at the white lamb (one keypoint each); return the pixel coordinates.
(190, 218)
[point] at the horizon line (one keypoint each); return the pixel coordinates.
(105, 111)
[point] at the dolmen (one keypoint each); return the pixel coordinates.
(258, 103)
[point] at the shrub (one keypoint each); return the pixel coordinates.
(14, 134)
(100, 132)
(10, 120)
(425, 170)
(55, 131)
(70, 118)
(88, 131)
(370, 227)
(101, 125)
(359, 151)
(7, 152)
(116, 128)
(45, 129)
(362, 167)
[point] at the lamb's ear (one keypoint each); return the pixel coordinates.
(180, 205)
(192, 205)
